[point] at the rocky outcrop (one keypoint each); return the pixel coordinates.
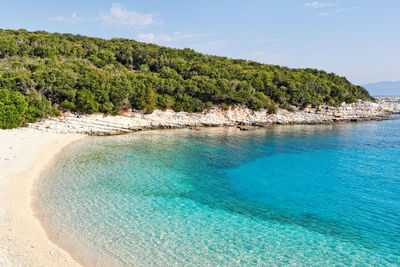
(99, 124)
(389, 99)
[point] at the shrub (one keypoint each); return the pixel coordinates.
(85, 102)
(12, 109)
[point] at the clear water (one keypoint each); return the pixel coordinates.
(285, 195)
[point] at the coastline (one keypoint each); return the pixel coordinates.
(130, 121)
(25, 155)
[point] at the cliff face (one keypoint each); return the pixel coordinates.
(99, 124)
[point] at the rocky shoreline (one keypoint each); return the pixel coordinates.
(99, 124)
(389, 99)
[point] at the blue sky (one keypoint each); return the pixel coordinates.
(359, 39)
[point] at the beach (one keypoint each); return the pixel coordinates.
(25, 155)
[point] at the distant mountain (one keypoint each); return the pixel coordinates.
(383, 88)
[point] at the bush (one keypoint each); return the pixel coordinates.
(85, 102)
(66, 105)
(287, 107)
(12, 109)
(37, 108)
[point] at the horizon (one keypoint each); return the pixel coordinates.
(349, 42)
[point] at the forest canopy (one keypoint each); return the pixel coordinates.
(43, 73)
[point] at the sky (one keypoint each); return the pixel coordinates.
(358, 39)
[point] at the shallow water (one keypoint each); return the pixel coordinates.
(308, 195)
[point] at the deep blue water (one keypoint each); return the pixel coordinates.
(284, 195)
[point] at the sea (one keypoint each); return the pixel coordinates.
(319, 195)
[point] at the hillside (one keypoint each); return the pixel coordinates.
(43, 73)
(384, 88)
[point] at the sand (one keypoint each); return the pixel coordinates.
(24, 156)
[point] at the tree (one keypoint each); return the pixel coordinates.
(85, 102)
(12, 109)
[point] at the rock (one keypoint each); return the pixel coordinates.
(243, 128)
(99, 124)
(389, 99)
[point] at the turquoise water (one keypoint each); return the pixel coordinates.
(284, 195)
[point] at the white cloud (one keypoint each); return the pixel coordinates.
(153, 38)
(74, 18)
(120, 16)
(339, 10)
(189, 36)
(183, 40)
(322, 14)
(174, 37)
(318, 5)
(327, 8)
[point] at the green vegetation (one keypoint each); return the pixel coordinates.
(41, 73)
